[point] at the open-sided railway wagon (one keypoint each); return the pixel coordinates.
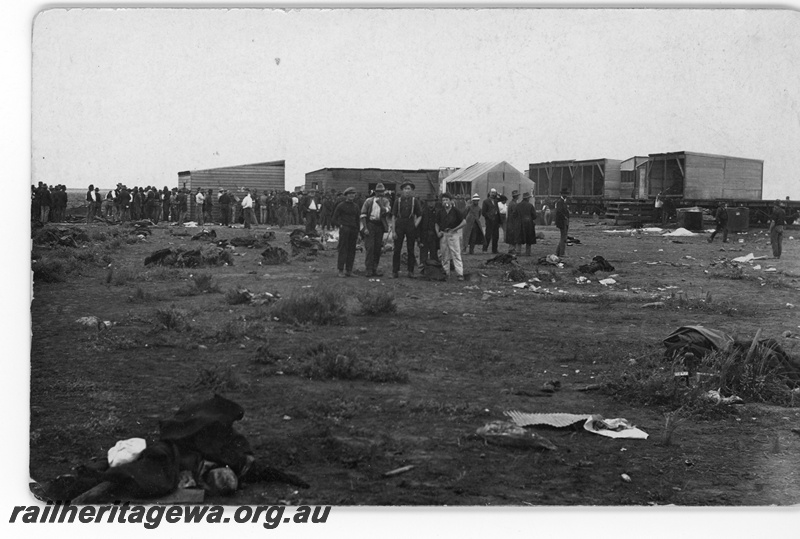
(626, 190)
(590, 182)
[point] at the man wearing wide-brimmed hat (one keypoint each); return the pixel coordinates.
(562, 221)
(526, 216)
(374, 224)
(406, 216)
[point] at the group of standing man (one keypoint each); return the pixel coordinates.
(437, 226)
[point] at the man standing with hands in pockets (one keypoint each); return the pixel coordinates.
(448, 227)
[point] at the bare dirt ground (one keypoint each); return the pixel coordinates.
(469, 351)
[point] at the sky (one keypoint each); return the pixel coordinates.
(101, 96)
(138, 95)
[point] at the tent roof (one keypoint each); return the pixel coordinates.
(477, 170)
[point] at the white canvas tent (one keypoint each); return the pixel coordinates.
(481, 177)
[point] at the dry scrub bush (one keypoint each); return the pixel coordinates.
(200, 283)
(54, 265)
(321, 305)
(173, 319)
(377, 301)
(234, 330)
(649, 380)
(218, 379)
(160, 273)
(327, 361)
(140, 295)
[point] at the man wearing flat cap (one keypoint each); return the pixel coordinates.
(405, 218)
(374, 224)
(346, 216)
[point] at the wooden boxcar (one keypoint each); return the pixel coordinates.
(589, 181)
(426, 181)
(699, 176)
(268, 176)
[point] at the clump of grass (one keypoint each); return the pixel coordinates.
(98, 236)
(320, 305)
(119, 276)
(140, 295)
(644, 380)
(266, 354)
(106, 341)
(103, 424)
(234, 330)
(49, 271)
(115, 244)
(325, 361)
(200, 283)
(755, 374)
(160, 273)
(218, 379)
(204, 282)
(173, 319)
(377, 301)
(672, 420)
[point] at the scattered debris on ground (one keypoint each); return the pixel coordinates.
(243, 295)
(205, 235)
(273, 256)
(509, 434)
(501, 260)
(68, 237)
(208, 255)
(596, 424)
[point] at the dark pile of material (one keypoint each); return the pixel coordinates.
(198, 439)
(209, 255)
(598, 264)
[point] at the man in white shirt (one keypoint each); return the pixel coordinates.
(311, 207)
(295, 216)
(247, 208)
(199, 199)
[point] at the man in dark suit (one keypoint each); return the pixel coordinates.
(491, 216)
(90, 206)
(562, 222)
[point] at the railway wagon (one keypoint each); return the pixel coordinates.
(627, 189)
(591, 182)
(267, 176)
(692, 179)
(426, 181)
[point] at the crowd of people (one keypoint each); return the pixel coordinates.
(450, 225)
